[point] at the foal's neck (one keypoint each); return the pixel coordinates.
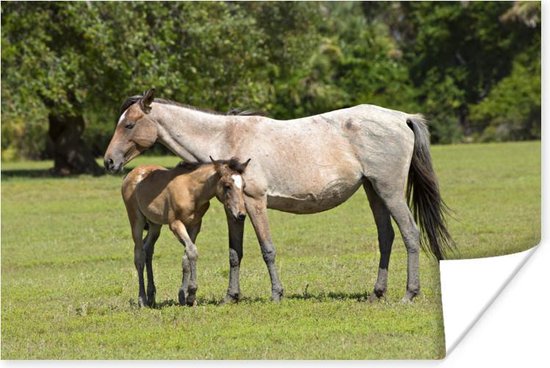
(205, 182)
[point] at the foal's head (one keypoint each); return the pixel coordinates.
(230, 187)
(134, 133)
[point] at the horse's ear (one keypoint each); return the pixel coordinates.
(246, 163)
(211, 159)
(147, 99)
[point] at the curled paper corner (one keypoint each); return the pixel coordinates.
(469, 287)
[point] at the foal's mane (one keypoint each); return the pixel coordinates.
(234, 111)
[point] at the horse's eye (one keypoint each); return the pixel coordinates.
(130, 125)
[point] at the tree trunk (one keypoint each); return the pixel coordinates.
(71, 156)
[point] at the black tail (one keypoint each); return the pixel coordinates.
(423, 195)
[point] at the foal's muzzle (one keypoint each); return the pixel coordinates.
(241, 216)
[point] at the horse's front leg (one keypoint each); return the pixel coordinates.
(188, 290)
(257, 211)
(235, 229)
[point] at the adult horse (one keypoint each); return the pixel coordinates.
(303, 166)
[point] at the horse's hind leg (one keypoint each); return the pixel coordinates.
(393, 197)
(386, 235)
(149, 248)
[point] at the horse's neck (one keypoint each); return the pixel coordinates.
(188, 133)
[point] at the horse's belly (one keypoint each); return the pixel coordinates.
(314, 200)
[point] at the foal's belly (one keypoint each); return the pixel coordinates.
(330, 195)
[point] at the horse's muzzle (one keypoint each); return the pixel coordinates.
(110, 165)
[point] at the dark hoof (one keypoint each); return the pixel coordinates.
(231, 299)
(376, 295)
(373, 298)
(191, 300)
(277, 295)
(142, 302)
(181, 297)
(409, 296)
(151, 300)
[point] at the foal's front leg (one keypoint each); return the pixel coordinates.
(139, 258)
(149, 248)
(189, 263)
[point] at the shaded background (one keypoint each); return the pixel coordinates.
(473, 68)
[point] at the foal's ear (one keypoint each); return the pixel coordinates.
(217, 165)
(246, 163)
(147, 99)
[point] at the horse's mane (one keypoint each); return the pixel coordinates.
(190, 166)
(129, 102)
(234, 111)
(242, 112)
(233, 164)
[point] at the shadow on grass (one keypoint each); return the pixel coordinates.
(27, 173)
(41, 174)
(174, 303)
(321, 297)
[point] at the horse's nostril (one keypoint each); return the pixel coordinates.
(109, 163)
(241, 216)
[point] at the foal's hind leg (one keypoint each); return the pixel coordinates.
(386, 235)
(189, 263)
(149, 248)
(138, 223)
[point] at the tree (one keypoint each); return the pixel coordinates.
(72, 61)
(66, 66)
(457, 53)
(512, 109)
(42, 62)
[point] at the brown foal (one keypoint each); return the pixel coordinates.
(179, 197)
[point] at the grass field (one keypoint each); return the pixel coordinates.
(69, 287)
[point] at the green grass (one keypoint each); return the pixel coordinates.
(69, 287)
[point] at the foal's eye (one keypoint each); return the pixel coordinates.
(130, 125)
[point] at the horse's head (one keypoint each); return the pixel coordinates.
(134, 132)
(230, 189)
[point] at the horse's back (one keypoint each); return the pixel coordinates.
(315, 163)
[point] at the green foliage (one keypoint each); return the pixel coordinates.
(458, 52)
(455, 62)
(69, 286)
(512, 110)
